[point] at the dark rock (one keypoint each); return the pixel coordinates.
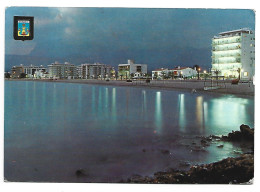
(215, 137)
(80, 173)
(165, 151)
(229, 170)
(245, 133)
(220, 146)
(184, 164)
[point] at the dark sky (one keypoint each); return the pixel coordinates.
(157, 37)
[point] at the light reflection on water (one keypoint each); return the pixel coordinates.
(63, 127)
(158, 112)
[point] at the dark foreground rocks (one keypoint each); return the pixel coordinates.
(230, 170)
(245, 134)
(233, 170)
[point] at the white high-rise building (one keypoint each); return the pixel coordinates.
(233, 54)
(95, 71)
(62, 70)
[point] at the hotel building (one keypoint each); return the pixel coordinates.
(34, 71)
(95, 71)
(233, 54)
(16, 71)
(130, 69)
(62, 70)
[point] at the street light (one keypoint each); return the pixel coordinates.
(205, 74)
(198, 73)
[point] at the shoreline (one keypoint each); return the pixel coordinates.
(242, 89)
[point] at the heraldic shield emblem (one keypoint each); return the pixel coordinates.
(23, 28)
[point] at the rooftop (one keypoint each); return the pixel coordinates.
(233, 33)
(243, 30)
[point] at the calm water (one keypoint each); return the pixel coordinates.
(54, 129)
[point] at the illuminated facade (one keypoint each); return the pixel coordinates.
(178, 72)
(233, 54)
(95, 71)
(62, 70)
(34, 71)
(132, 70)
(17, 71)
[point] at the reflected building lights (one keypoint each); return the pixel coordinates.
(100, 106)
(54, 97)
(34, 95)
(44, 97)
(144, 109)
(27, 104)
(205, 114)
(158, 112)
(106, 107)
(93, 107)
(199, 112)
(113, 109)
(182, 114)
(80, 99)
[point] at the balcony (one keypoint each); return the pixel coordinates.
(238, 40)
(226, 60)
(216, 48)
(237, 55)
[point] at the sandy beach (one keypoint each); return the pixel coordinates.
(242, 88)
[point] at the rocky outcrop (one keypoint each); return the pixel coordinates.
(230, 170)
(245, 133)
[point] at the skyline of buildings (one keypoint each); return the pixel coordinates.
(233, 56)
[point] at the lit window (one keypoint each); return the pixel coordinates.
(245, 74)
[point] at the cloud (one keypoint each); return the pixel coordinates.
(42, 22)
(14, 47)
(68, 30)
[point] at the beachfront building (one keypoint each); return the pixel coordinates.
(233, 54)
(79, 72)
(95, 71)
(184, 72)
(161, 73)
(62, 70)
(130, 69)
(16, 71)
(178, 72)
(33, 71)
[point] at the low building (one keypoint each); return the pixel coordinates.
(95, 71)
(233, 54)
(161, 73)
(178, 72)
(184, 72)
(16, 71)
(132, 70)
(62, 70)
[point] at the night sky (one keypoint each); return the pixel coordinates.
(157, 37)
